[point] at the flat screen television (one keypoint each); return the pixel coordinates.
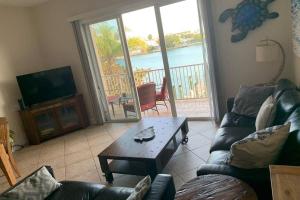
(46, 85)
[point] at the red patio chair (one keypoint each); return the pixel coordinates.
(147, 97)
(162, 95)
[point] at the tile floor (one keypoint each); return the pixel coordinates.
(74, 156)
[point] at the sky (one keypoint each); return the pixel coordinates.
(176, 18)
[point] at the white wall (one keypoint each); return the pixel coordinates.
(296, 65)
(236, 61)
(57, 39)
(19, 53)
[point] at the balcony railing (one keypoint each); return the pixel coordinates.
(188, 82)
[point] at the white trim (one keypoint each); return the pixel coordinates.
(113, 11)
(123, 38)
(165, 59)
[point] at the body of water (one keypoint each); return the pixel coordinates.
(177, 57)
(187, 82)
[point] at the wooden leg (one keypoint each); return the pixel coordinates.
(13, 163)
(185, 130)
(113, 109)
(152, 170)
(165, 104)
(105, 169)
(6, 166)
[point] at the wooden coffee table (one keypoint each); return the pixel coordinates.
(146, 158)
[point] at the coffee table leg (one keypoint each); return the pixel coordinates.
(185, 130)
(105, 169)
(152, 170)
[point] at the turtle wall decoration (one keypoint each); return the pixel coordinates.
(247, 16)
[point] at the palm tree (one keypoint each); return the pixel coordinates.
(108, 45)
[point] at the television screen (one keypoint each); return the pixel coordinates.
(46, 85)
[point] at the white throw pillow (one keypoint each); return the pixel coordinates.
(259, 149)
(266, 114)
(38, 186)
(140, 189)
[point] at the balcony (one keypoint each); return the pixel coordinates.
(188, 85)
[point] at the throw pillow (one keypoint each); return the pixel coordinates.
(266, 114)
(259, 149)
(38, 186)
(140, 189)
(250, 98)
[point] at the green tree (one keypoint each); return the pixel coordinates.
(197, 37)
(108, 47)
(150, 37)
(136, 43)
(172, 40)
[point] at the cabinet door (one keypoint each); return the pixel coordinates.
(69, 116)
(46, 124)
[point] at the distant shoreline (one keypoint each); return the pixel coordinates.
(189, 55)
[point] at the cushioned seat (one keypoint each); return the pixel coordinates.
(87, 191)
(286, 104)
(225, 137)
(162, 188)
(232, 119)
(235, 127)
(282, 86)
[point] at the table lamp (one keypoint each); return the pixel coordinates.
(268, 51)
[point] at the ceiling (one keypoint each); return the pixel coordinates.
(22, 3)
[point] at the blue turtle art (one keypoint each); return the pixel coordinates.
(247, 16)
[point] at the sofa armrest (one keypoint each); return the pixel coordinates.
(162, 188)
(248, 175)
(230, 102)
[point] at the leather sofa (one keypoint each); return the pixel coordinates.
(234, 127)
(162, 188)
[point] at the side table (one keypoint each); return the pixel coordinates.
(216, 187)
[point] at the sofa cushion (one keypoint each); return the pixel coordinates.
(282, 86)
(290, 154)
(266, 114)
(226, 136)
(250, 98)
(219, 158)
(140, 189)
(286, 104)
(232, 119)
(259, 149)
(37, 186)
(76, 190)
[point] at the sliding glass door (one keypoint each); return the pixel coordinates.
(184, 45)
(146, 56)
(161, 45)
(118, 95)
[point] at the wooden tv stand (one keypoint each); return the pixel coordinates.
(51, 119)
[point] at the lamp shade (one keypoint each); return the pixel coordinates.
(267, 53)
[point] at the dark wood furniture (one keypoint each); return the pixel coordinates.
(51, 119)
(146, 158)
(217, 187)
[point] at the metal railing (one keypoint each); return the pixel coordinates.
(188, 82)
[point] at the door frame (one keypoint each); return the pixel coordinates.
(95, 66)
(157, 4)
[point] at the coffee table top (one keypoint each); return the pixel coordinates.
(127, 148)
(217, 187)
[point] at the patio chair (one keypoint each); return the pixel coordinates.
(162, 95)
(147, 97)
